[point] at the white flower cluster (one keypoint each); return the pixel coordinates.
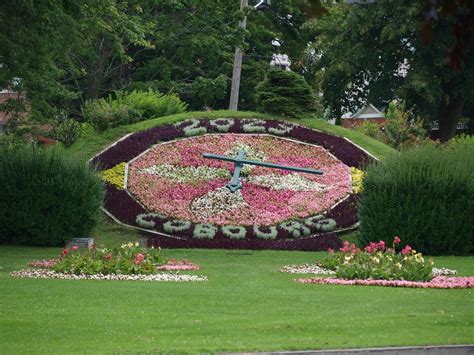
(306, 269)
(443, 272)
(293, 182)
(186, 173)
(216, 201)
(47, 274)
(250, 154)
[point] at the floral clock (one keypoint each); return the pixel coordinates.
(159, 181)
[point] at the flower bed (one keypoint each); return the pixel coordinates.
(380, 265)
(437, 282)
(171, 190)
(129, 262)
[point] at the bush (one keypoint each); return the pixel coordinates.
(400, 132)
(103, 114)
(128, 108)
(371, 129)
(151, 103)
(424, 195)
(67, 131)
(46, 199)
(285, 93)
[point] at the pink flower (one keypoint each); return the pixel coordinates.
(331, 250)
(381, 245)
(441, 282)
(406, 250)
(74, 248)
(65, 252)
(345, 247)
(397, 240)
(139, 258)
(372, 247)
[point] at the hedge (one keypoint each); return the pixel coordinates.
(425, 196)
(46, 199)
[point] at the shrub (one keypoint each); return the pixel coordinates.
(103, 114)
(46, 199)
(284, 93)
(371, 129)
(400, 132)
(151, 103)
(67, 131)
(424, 195)
(131, 107)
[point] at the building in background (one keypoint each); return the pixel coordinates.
(367, 113)
(6, 95)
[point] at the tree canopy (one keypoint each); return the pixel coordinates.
(379, 51)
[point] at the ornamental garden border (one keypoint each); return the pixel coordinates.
(317, 232)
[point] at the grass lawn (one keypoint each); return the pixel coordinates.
(246, 305)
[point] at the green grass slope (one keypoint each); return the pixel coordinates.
(92, 142)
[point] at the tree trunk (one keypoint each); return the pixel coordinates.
(95, 70)
(449, 118)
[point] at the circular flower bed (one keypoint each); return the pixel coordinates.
(158, 180)
(175, 180)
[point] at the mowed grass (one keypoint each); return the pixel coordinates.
(247, 305)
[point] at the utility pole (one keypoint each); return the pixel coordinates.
(234, 90)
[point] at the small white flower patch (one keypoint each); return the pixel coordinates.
(186, 173)
(443, 272)
(306, 269)
(47, 274)
(217, 201)
(293, 182)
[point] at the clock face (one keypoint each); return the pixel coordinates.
(173, 179)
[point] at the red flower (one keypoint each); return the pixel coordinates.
(108, 256)
(74, 248)
(406, 250)
(65, 252)
(397, 240)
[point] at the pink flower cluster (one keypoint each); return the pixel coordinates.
(138, 258)
(441, 282)
(264, 206)
(346, 247)
(174, 265)
(373, 247)
(43, 264)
